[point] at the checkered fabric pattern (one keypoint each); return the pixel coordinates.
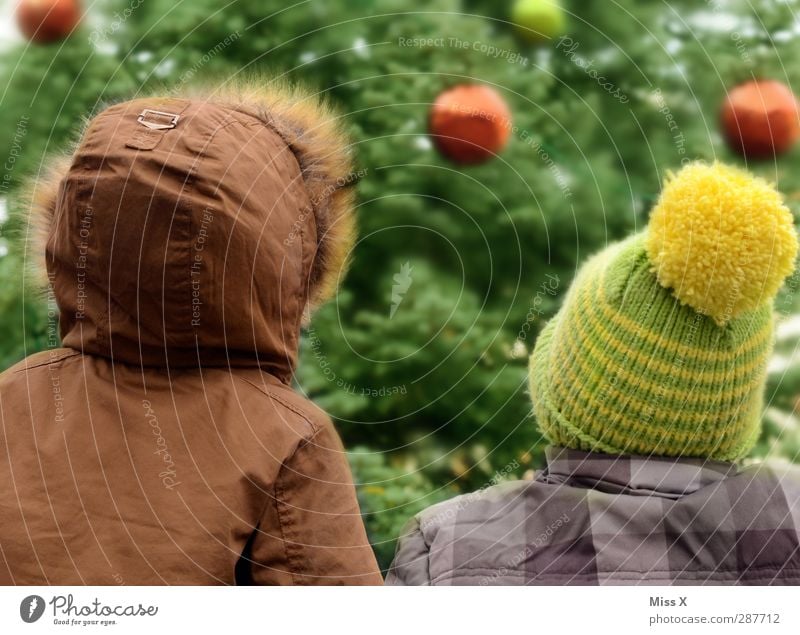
(591, 519)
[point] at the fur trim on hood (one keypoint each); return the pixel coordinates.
(311, 130)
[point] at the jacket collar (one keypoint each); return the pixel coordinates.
(667, 477)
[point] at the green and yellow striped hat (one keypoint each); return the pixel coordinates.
(662, 343)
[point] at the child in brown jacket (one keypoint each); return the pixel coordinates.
(184, 240)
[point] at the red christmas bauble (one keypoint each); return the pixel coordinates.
(469, 123)
(47, 20)
(760, 118)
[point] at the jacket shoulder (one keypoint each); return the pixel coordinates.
(37, 360)
(307, 417)
(450, 512)
(427, 553)
(773, 474)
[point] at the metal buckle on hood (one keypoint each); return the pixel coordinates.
(155, 125)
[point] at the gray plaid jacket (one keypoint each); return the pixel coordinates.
(601, 519)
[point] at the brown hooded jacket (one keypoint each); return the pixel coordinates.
(184, 240)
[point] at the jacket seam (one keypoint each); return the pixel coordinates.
(427, 544)
(189, 209)
(56, 360)
(765, 567)
(278, 489)
(660, 574)
(593, 577)
(291, 553)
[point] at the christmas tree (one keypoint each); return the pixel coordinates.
(422, 358)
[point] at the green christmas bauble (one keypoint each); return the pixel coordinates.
(538, 20)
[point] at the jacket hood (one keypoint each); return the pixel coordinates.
(197, 228)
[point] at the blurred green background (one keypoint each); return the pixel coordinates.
(429, 392)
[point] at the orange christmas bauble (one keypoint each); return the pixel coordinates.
(470, 123)
(760, 118)
(47, 20)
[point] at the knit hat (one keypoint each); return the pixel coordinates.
(662, 343)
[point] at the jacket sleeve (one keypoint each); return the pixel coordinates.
(311, 531)
(411, 561)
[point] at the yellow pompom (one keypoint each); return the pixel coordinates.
(721, 239)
